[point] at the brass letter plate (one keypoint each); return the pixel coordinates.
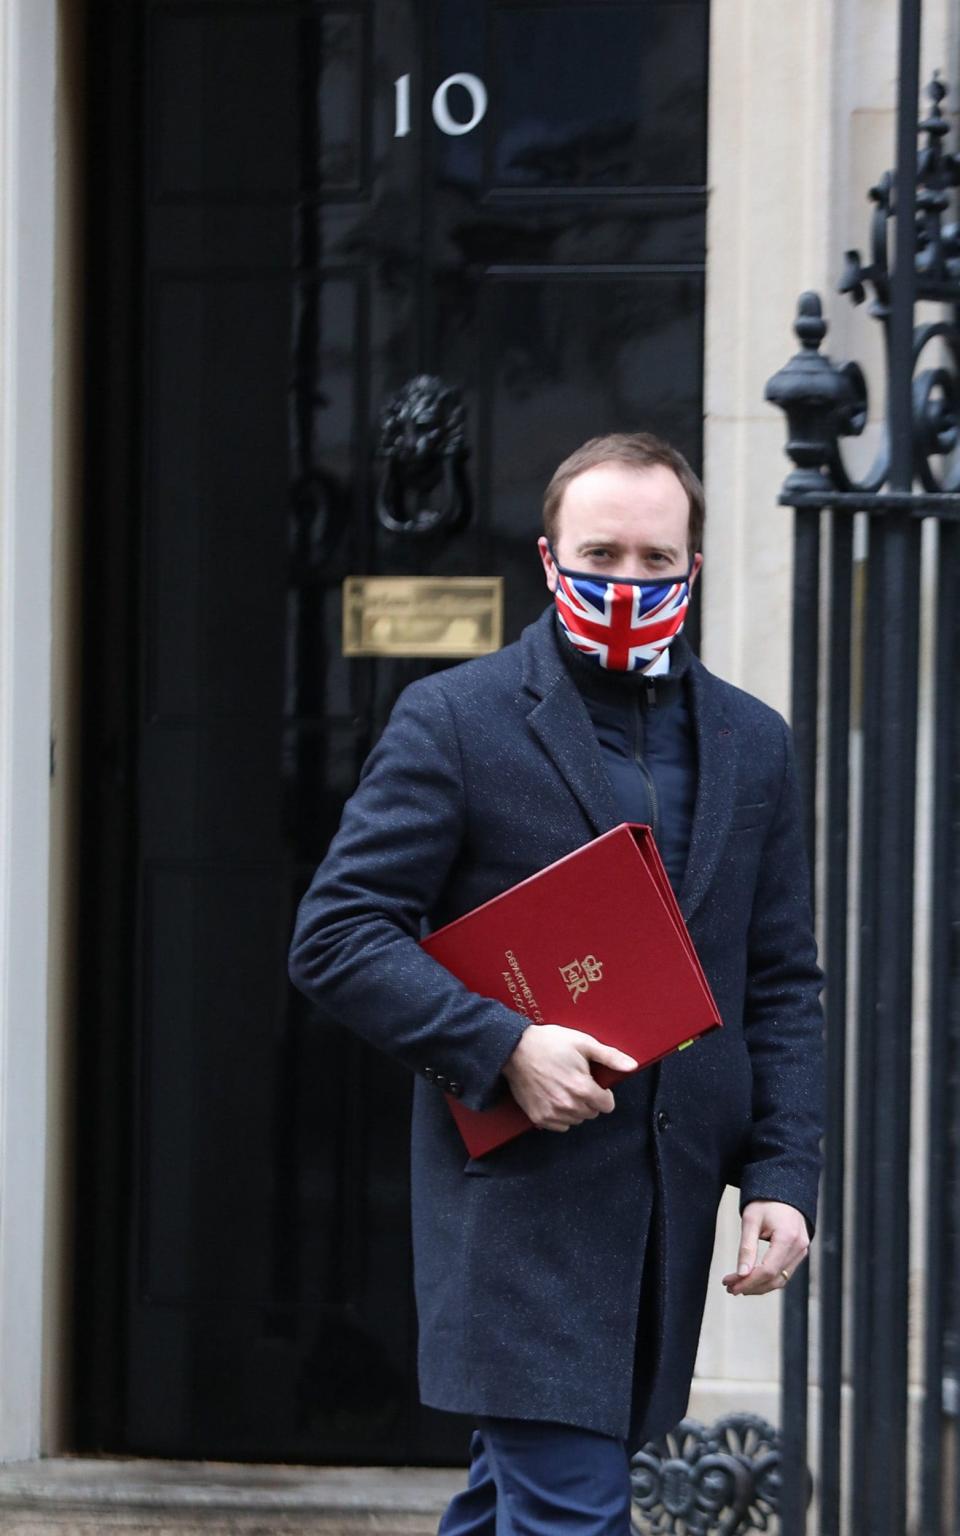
(455, 616)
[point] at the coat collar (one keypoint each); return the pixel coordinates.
(559, 718)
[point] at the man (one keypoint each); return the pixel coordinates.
(561, 1280)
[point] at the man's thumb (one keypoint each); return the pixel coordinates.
(749, 1238)
(607, 1055)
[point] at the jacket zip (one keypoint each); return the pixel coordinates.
(640, 762)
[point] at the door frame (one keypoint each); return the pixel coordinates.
(29, 35)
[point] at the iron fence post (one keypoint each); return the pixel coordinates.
(877, 765)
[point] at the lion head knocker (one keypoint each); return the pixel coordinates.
(423, 451)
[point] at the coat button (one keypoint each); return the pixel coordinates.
(440, 1080)
(429, 1074)
(663, 1120)
(455, 1089)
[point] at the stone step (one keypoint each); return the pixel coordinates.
(84, 1496)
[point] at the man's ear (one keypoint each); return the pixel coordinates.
(548, 563)
(695, 568)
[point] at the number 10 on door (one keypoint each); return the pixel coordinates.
(440, 106)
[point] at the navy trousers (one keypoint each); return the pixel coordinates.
(533, 1479)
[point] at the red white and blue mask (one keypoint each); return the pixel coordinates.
(625, 625)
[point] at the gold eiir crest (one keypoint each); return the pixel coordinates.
(579, 974)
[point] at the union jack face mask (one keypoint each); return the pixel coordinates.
(625, 624)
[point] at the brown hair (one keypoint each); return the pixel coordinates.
(637, 450)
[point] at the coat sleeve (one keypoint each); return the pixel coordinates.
(355, 950)
(783, 1019)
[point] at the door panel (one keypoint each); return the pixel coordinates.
(592, 95)
(293, 261)
(254, 103)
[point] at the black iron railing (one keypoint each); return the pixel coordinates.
(856, 702)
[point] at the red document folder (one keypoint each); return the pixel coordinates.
(595, 941)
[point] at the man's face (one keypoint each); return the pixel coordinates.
(618, 521)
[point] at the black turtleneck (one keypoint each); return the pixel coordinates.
(646, 738)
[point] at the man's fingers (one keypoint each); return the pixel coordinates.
(765, 1276)
(585, 1103)
(599, 1101)
(574, 1106)
(780, 1260)
(771, 1275)
(789, 1245)
(606, 1055)
(550, 1077)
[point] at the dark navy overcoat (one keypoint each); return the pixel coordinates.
(528, 1262)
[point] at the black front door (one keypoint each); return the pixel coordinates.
(296, 208)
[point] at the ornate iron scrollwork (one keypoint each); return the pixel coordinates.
(824, 402)
(938, 244)
(423, 448)
(708, 1482)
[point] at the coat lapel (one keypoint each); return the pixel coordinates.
(716, 785)
(562, 724)
(558, 718)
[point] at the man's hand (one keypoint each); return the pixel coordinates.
(549, 1076)
(785, 1229)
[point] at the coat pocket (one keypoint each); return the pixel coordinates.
(746, 817)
